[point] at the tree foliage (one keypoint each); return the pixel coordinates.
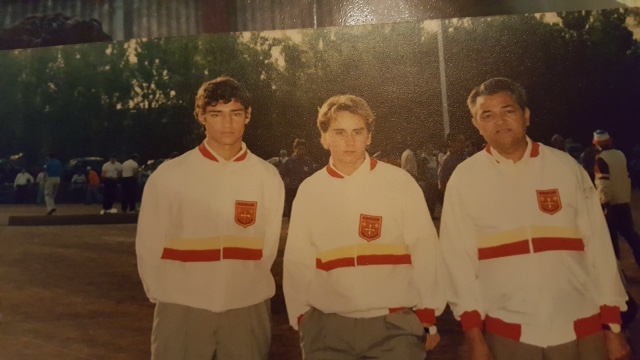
(138, 96)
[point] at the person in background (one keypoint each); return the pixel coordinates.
(457, 146)
(93, 187)
(54, 169)
(526, 245)
(129, 181)
(208, 234)
(614, 187)
(78, 185)
(360, 277)
(21, 185)
(297, 168)
(279, 160)
(111, 172)
(588, 161)
(408, 163)
(558, 142)
(41, 179)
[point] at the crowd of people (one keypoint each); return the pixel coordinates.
(105, 185)
(524, 258)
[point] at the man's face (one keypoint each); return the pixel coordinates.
(501, 121)
(347, 140)
(225, 123)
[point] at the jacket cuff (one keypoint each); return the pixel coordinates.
(610, 314)
(426, 316)
(471, 320)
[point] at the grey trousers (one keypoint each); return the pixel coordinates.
(185, 333)
(395, 336)
(588, 348)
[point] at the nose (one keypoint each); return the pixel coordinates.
(350, 139)
(226, 119)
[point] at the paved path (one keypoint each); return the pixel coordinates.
(72, 292)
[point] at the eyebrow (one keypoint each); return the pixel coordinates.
(218, 111)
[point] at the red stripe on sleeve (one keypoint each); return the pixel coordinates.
(610, 314)
(504, 329)
(426, 316)
(588, 326)
(471, 320)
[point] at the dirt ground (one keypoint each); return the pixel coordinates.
(73, 292)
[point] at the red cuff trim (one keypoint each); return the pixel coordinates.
(426, 316)
(471, 320)
(300, 319)
(610, 314)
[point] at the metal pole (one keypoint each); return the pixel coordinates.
(443, 80)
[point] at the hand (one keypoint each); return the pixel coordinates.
(617, 346)
(478, 348)
(432, 341)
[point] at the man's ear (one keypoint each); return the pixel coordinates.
(247, 116)
(201, 118)
(323, 141)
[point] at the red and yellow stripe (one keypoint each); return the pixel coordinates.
(213, 249)
(516, 242)
(363, 255)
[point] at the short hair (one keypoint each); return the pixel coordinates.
(135, 157)
(495, 86)
(113, 156)
(350, 103)
(52, 155)
(299, 143)
(222, 89)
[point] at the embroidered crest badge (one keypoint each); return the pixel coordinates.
(246, 213)
(370, 227)
(549, 201)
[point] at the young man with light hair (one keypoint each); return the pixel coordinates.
(208, 233)
(526, 245)
(361, 275)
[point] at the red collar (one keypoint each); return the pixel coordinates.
(209, 155)
(334, 173)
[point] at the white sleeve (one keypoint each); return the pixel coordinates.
(460, 251)
(422, 239)
(299, 264)
(274, 207)
(153, 223)
(598, 247)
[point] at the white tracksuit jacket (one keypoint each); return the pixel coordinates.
(361, 245)
(208, 230)
(527, 248)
